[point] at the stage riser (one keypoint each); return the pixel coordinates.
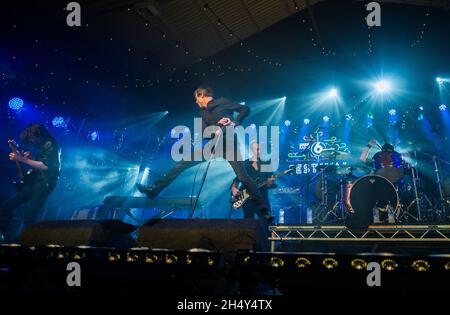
(211, 234)
(176, 272)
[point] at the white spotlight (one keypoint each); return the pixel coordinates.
(333, 92)
(439, 80)
(383, 86)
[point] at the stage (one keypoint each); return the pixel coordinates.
(216, 147)
(408, 258)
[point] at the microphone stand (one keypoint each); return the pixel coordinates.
(213, 155)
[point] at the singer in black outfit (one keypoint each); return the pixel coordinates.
(216, 112)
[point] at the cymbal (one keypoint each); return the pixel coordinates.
(333, 153)
(358, 170)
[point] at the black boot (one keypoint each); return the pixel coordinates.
(151, 192)
(267, 216)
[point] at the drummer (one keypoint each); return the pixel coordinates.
(387, 162)
(368, 147)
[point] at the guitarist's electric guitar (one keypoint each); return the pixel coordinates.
(239, 200)
(24, 178)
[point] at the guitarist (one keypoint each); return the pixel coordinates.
(253, 168)
(39, 181)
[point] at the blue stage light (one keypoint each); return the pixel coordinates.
(420, 107)
(369, 120)
(253, 126)
(94, 135)
(442, 107)
(59, 122)
(306, 121)
(287, 123)
(326, 119)
(15, 103)
(392, 112)
(348, 117)
(439, 80)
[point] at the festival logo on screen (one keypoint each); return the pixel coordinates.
(316, 151)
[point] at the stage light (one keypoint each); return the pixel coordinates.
(253, 126)
(287, 123)
(211, 261)
(15, 103)
(170, 259)
(359, 264)
(392, 112)
(439, 80)
(131, 258)
(420, 107)
(348, 117)
(151, 259)
(369, 120)
(58, 122)
(442, 107)
(112, 257)
(326, 119)
(389, 265)
(382, 86)
(420, 265)
(242, 103)
(302, 262)
(93, 135)
(333, 92)
(284, 98)
(306, 121)
(330, 263)
(447, 266)
(276, 262)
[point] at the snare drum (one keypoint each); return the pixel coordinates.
(389, 165)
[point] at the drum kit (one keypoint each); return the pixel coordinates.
(359, 195)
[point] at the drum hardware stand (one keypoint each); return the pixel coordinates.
(406, 214)
(324, 199)
(441, 213)
(443, 202)
(340, 203)
(324, 203)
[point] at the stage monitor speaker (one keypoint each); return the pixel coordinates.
(211, 234)
(114, 233)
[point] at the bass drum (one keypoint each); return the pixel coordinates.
(367, 193)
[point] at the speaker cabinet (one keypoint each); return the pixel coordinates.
(211, 234)
(113, 233)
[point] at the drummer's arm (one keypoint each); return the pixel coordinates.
(366, 150)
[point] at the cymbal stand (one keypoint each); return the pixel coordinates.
(443, 211)
(406, 211)
(323, 199)
(340, 204)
